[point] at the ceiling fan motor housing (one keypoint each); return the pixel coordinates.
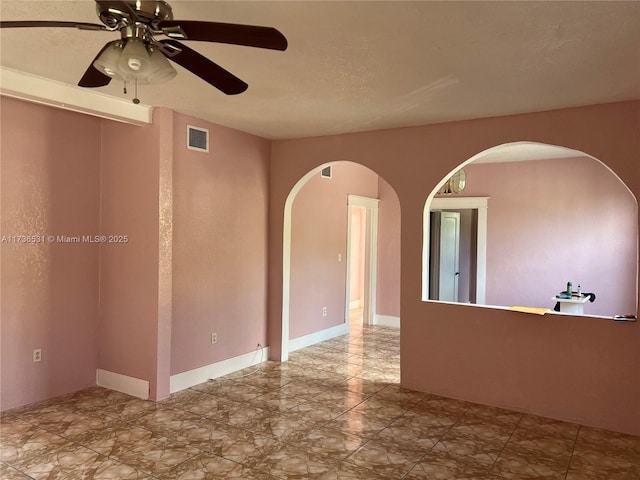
(114, 15)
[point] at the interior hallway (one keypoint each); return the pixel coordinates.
(334, 411)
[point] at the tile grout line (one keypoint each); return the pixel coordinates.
(439, 439)
(575, 442)
(307, 372)
(506, 443)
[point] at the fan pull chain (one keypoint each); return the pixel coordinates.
(136, 100)
(124, 90)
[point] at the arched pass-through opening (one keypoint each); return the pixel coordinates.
(316, 251)
(561, 206)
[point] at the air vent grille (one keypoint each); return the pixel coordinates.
(326, 172)
(197, 139)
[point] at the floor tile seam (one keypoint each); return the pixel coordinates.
(74, 444)
(575, 441)
(40, 427)
(15, 463)
(66, 438)
(209, 455)
(323, 384)
(505, 444)
(20, 471)
(412, 467)
(163, 474)
(332, 355)
(198, 390)
(329, 455)
(256, 391)
(162, 433)
(233, 400)
(34, 421)
(306, 367)
(354, 406)
(370, 414)
(346, 459)
(399, 401)
(444, 434)
(186, 410)
(265, 387)
(117, 460)
(133, 420)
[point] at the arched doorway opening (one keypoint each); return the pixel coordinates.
(553, 215)
(316, 277)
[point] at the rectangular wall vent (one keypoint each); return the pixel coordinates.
(197, 139)
(326, 172)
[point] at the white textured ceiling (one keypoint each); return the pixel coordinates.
(354, 66)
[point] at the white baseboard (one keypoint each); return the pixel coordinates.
(317, 337)
(123, 383)
(187, 379)
(354, 304)
(387, 321)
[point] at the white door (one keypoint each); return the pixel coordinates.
(449, 256)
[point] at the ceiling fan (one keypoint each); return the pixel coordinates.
(140, 58)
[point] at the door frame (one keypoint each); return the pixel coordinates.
(370, 205)
(283, 354)
(458, 203)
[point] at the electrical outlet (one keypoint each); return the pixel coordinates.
(37, 355)
(214, 338)
(324, 311)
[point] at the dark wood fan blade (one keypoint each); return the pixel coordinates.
(248, 35)
(204, 68)
(46, 23)
(93, 77)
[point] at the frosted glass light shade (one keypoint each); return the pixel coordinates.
(107, 62)
(135, 61)
(161, 69)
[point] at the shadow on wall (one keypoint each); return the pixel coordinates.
(554, 215)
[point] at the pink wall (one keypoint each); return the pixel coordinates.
(388, 288)
(129, 276)
(50, 186)
(219, 245)
(114, 306)
(576, 368)
(553, 221)
(318, 236)
(559, 366)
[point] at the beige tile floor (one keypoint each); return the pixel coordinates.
(334, 411)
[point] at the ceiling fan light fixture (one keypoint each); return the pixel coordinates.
(135, 61)
(161, 70)
(139, 58)
(107, 62)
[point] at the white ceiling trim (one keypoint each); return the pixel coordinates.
(32, 88)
